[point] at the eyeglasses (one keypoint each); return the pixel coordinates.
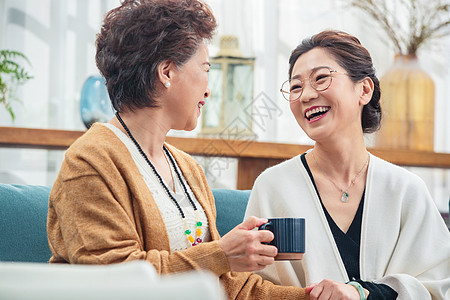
(320, 79)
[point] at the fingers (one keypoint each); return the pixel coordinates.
(267, 250)
(244, 249)
(250, 243)
(308, 289)
(265, 236)
(329, 289)
(263, 261)
(316, 292)
(252, 223)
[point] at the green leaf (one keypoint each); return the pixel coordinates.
(13, 116)
(12, 74)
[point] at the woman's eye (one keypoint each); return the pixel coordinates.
(321, 78)
(295, 88)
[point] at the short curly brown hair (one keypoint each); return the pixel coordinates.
(140, 34)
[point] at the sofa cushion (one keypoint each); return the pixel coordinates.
(23, 223)
(230, 207)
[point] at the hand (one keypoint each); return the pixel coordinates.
(244, 249)
(333, 290)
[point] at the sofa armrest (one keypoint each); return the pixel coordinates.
(23, 223)
(129, 280)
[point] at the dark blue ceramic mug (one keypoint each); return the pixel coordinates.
(289, 237)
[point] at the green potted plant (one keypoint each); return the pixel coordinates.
(407, 90)
(12, 74)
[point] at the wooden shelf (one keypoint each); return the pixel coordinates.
(253, 156)
(15, 137)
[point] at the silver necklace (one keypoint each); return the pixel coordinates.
(344, 197)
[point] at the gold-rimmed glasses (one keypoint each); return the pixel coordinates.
(320, 79)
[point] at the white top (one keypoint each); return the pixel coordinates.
(169, 212)
(405, 243)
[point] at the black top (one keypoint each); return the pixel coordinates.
(348, 245)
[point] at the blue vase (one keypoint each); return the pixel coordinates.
(95, 105)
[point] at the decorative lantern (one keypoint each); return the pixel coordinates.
(229, 104)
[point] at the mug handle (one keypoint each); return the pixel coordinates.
(265, 226)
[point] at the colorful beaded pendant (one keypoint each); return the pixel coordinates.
(198, 233)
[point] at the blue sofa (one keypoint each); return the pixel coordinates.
(23, 219)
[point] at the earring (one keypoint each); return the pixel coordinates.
(167, 84)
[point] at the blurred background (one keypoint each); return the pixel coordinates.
(250, 62)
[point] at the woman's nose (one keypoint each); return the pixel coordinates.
(207, 92)
(308, 93)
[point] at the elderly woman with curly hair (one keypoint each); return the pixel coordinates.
(124, 194)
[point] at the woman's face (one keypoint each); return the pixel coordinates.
(190, 90)
(333, 112)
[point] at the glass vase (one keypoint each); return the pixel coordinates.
(95, 105)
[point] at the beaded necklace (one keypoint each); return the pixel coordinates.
(187, 232)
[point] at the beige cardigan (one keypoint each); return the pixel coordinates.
(101, 211)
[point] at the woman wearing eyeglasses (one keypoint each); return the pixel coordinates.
(372, 228)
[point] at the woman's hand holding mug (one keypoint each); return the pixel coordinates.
(244, 246)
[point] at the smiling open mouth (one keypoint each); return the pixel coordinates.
(316, 112)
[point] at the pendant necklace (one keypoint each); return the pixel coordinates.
(187, 232)
(344, 197)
